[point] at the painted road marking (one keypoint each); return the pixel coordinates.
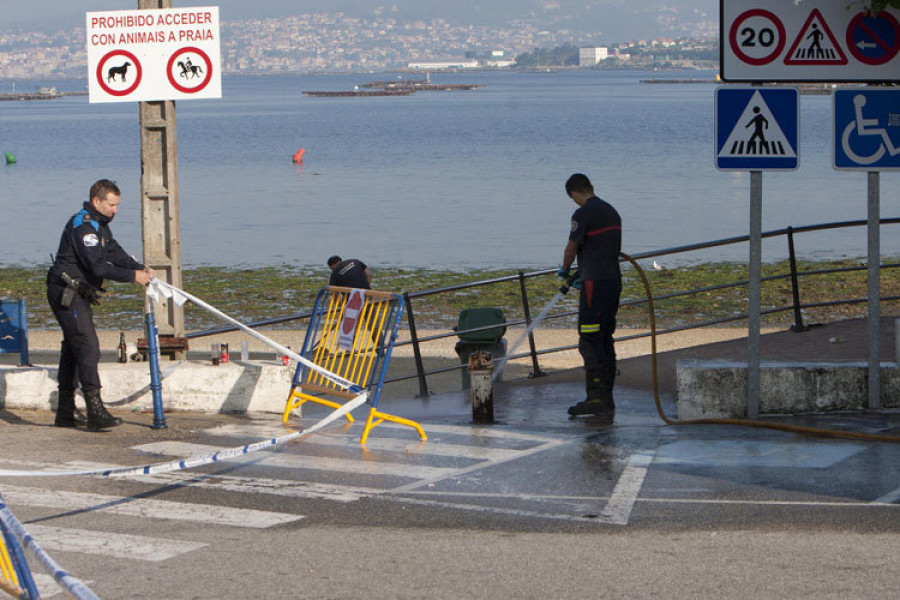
(483, 432)
(256, 485)
(583, 518)
(889, 498)
(118, 545)
(47, 586)
(430, 447)
(303, 461)
(618, 509)
(810, 454)
(145, 508)
(217, 481)
(426, 482)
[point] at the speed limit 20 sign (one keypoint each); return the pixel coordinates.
(145, 55)
(758, 37)
(778, 40)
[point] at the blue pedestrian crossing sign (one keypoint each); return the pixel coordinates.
(866, 132)
(757, 129)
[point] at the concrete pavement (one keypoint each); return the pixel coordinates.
(535, 505)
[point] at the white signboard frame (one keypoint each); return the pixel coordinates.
(780, 40)
(158, 54)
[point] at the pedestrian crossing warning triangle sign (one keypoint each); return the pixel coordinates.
(756, 133)
(815, 44)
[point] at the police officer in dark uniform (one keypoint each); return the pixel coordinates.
(87, 255)
(595, 240)
(352, 273)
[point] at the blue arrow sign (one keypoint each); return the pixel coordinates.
(866, 132)
(757, 129)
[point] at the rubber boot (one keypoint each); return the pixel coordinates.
(608, 382)
(66, 414)
(97, 416)
(599, 399)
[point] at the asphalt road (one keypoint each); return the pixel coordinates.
(534, 506)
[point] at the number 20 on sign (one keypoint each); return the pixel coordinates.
(757, 37)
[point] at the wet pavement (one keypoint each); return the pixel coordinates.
(534, 468)
(464, 506)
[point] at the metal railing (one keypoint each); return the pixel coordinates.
(533, 352)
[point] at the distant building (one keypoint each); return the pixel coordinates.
(450, 64)
(588, 57)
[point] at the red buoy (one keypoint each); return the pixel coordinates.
(298, 155)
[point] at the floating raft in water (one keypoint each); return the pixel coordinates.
(363, 93)
(422, 86)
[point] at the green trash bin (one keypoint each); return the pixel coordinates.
(490, 340)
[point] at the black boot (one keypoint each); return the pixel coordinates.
(98, 418)
(599, 399)
(66, 413)
(608, 382)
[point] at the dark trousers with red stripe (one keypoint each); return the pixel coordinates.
(599, 304)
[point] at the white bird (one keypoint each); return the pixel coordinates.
(658, 266)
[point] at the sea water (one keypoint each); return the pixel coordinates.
(463, 179)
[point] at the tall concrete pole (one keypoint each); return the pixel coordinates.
(160, 215)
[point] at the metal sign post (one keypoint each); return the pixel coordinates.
(864, 139)
(755, 295)
(756, 129)
(874, 303)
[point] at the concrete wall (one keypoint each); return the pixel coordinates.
(718, 389)
(252, 386)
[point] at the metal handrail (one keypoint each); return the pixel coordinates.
(794, 274)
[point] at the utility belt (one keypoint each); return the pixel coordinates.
(73, 286)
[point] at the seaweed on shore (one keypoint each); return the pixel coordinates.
(268, 292)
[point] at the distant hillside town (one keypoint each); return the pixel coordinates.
(335, 42)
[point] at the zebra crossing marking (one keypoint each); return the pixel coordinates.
(304, 461)
(143, 507)
(118, 545)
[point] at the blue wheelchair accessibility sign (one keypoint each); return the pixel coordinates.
(757, 129)
(866, 133)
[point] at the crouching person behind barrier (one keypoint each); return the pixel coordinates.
(87, 256)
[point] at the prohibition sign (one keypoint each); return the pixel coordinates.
(351, 313)
(120, 71)
(204, 71)
(762, 37)
(873, 40)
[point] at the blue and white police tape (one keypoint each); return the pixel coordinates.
(73, 586)
(199, 459)
(158, 289)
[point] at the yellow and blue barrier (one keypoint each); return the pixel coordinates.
(351, 334)
(15, 576)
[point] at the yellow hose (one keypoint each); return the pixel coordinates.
(742, 422)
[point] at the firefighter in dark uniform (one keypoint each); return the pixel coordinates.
(87, 255)
(352, 273)
(595, 240)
